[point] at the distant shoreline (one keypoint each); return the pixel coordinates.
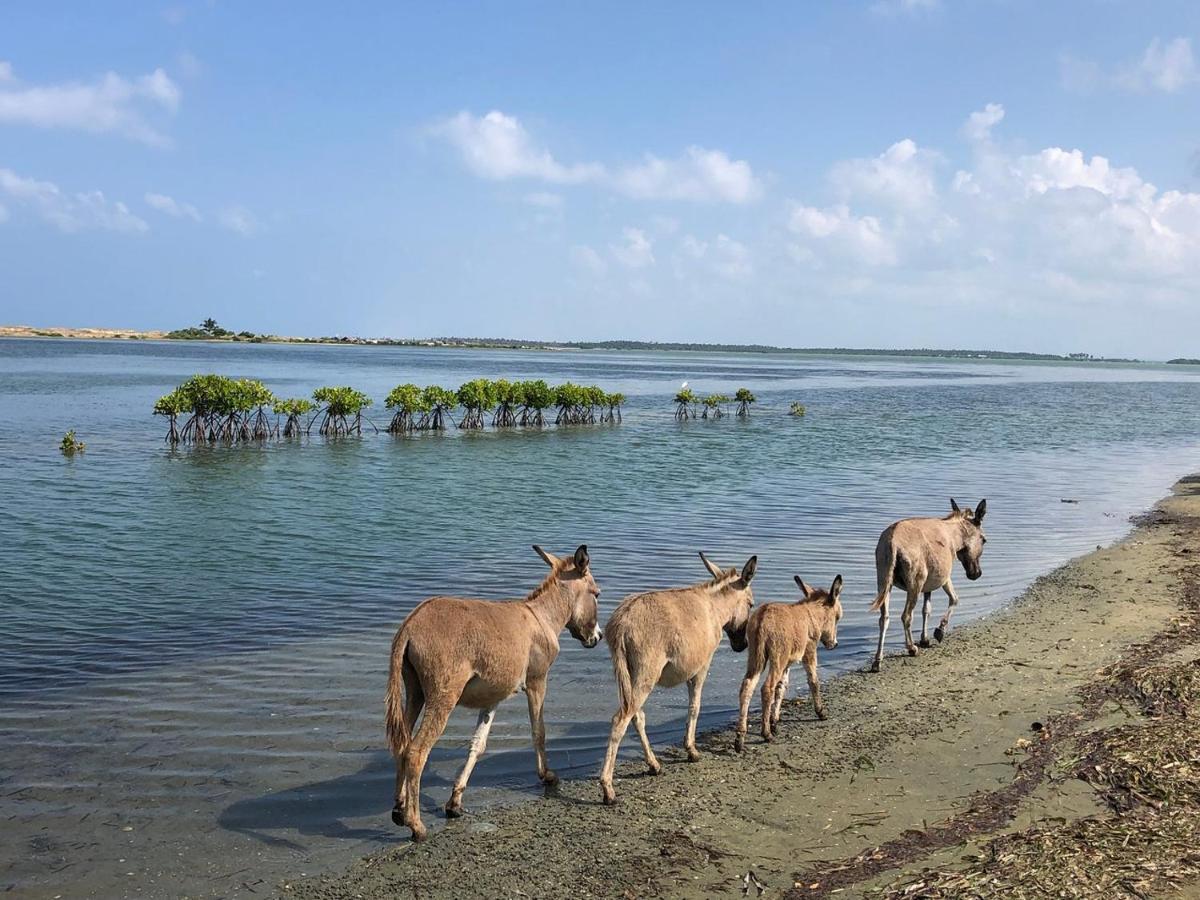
(26, 331)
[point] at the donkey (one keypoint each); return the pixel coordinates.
(918, 555)
(780, 634)
(666, 638)
(456, 651)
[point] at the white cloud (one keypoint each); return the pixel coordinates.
(978, 128)
(1056, 224)
(240, 220)
(69, 212)
(835, 231)
(636, 250)
(902, 177)
(110, 104)
(171, 207)
(544, 200)
(498, 147)
(1167, 66)
(588, 259)
(700, 175)
(6, 71)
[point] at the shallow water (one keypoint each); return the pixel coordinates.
(196, 641)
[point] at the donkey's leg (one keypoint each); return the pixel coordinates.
(814, 684)
(910, 603)
(639, 722)
(620, 724)
(883, 625)
(772, 679)
(478, 745)
(414, 702)
(926, 609)
(940, 631)
(437, 714)
(535, 693)
(753, 673)
(695, 688)
(780, 693)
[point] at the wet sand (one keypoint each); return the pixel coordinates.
(916, 768)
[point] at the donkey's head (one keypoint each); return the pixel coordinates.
(738, 587)
(577, 584)
(973, 537)
(831, 605)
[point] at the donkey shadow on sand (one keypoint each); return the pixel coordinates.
(323, 808)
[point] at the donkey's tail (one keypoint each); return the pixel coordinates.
(397, 724)
(889, 570)
(756, 658)
(621, 673)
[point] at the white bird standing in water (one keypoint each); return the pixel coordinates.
(682, 386)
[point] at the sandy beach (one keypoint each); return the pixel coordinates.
(1012, 758)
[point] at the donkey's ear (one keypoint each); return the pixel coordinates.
(804, 588)
(980, 511)
(749, 569)
(954, 506)
(713, 569)
(550, 558)
(835, 590)
(581, 558)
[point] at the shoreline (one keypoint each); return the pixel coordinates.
(621, 346)
(958, 750)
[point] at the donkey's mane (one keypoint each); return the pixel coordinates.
(721, 582)
(549, 581)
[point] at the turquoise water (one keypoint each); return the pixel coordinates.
(195, 640)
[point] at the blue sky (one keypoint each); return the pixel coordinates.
(899, 173)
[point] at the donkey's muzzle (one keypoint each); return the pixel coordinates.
(975, 575)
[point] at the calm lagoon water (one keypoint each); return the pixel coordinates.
(195, 641)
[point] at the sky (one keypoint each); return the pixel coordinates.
(892, 173)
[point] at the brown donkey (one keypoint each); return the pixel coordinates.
(780, 634)
(918, 555)
(455, 651)
(666, 638)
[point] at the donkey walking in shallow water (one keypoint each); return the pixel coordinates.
(918, 555)
(455, 651)
(780, 634)
(666, 638)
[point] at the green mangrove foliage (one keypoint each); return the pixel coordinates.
(797, 409)
(440, 403)
(613, 403)
(536, 398)
(341, 410)
(215, 408)
(474, 397)
(685, 404)
(295, 409)
(409, 405)
(744, 398)
(70, 445)
(714, 406)
(221, 409)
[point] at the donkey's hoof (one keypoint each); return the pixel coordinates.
(924, 643)
(874, 666)
(821, 714)
(654, 768)
(398, 817)
(550, 779)
(739, 743)
(693, 754)
(913, 651)
(939, 633)
(610, 796)
(454, 810)
(419, 833)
